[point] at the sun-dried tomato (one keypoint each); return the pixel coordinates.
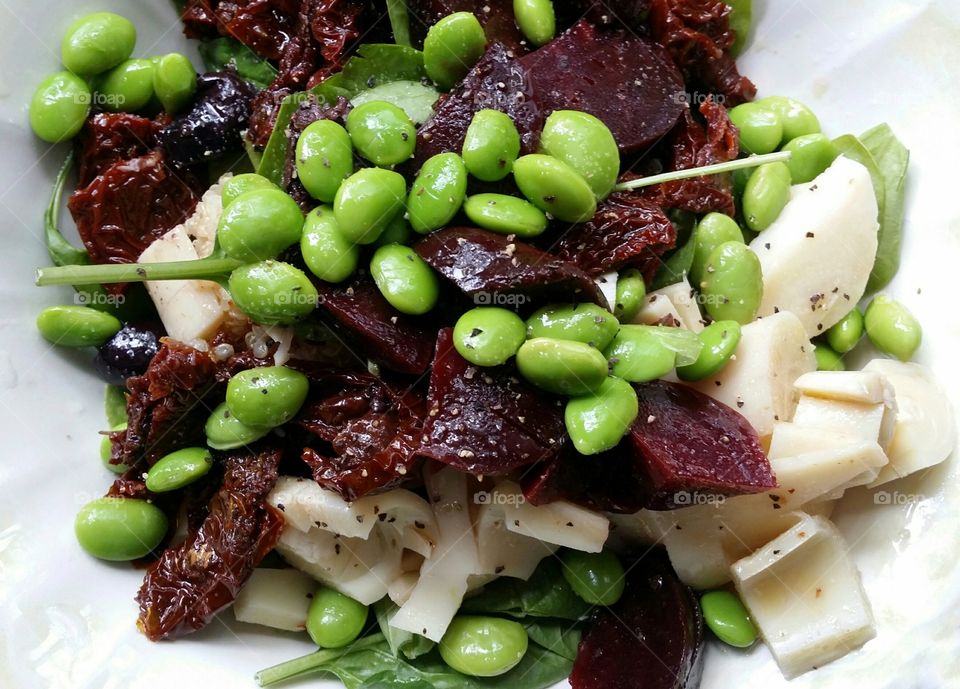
(107, 138)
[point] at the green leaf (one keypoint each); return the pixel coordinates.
(399, 21)
(545, 594)
(115, 405)
(741, 18)
(677, 266)
(400, 642)
(219, 53)
(61, 251)
(893, 160)
(274, 157)
(557, 636)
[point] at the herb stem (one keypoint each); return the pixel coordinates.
(203, 269)
(715, 169)
(312, 662)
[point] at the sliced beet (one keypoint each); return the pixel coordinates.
(687, 442)
(652, 638)
(483, 265)
(487, 420)
(627, 81)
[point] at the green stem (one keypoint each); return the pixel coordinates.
(203, 269)
(311, 663)
(716, 169)
(399, 21)
(62, 252)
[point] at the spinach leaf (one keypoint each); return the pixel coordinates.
(61, 251)
(557, 636)
(400, 642)
(115, 405)
(274, 157)
(545, 594)
(740, 20)
(399, 21)
(892, 159)
(677, 266)
(219, 53)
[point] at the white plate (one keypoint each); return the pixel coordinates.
(68, 621)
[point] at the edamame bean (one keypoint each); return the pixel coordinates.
(324, 158)
(259, 224)
(179, 469)
(795, 117)
(536, 19)
(720, 340)
(452, 47)
(333, 619)
(812, 154)
(563, 367)
(598, 578)
(846, 333)
(827, 359)
(367, 202)
(491, 145)
(59, 107)
(397, 232)
(106, 450)
(404, 279)
(892, 328)
(585, 144)
(483, 646)
(505, 215)
(765, 195)
(587, 323)
(555, 188)
(119, 528)
(382, 133)
(760, 127)
(726, 617)
(174, 82)
(437, 192)
(266, 397)
(77, 326)
(272, 292)
(596, 422)
(636, 354)
(713, 230)
(128, 87)
(238, 185)
(489, 336)
(732, 285)
(631, 290)
(328, 254)
(225, 432)
(97, 42)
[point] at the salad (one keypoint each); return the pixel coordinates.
(493, 345)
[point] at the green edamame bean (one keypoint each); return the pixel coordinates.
(333, 619)
(636, 354)
(846, 333)
(324, 158)
(598, 578)
(713, 230)
(587, 323)
(225, 432)
(367, 202)
(128, 87)
(119, 528)
(97, 42)
(328, 254)
(563, 367)
(812, 154)
(766, 193)
(555, 188)
(397, 232)
(452, 47)
(59, 107)
(437, 192)
(404, 279)
(892, 328)
(272, 292)
(241, 184)
(505, 215)
(596, 422)
(583, 142)
(266, 397)
(77, 326)
(259, 224)
(536, 19)
(489, 336)
(483, 646)
(179, 469)
(827, 359)
(631, 290)
(382, 133)
(795, 117)
(106, 449)
(174, 81)
(491, 145)
(720, 340)
(726, 617)
(760, 128)
(732, 284)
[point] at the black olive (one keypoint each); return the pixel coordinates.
(128, 353)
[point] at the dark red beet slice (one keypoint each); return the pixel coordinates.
(486, 420)
(688, 442)
(627, 81)
(483, 264)
(651, 639)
